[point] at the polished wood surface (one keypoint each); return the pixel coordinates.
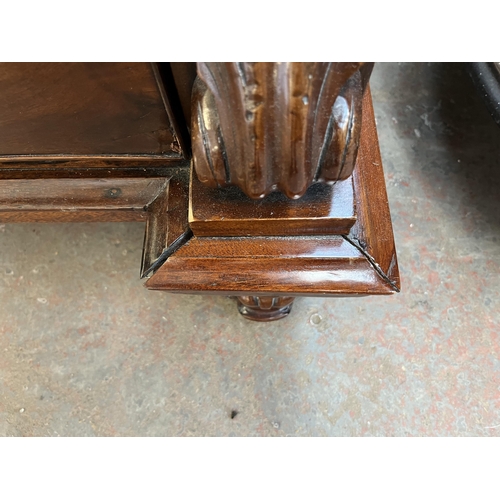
(71, 215)
(88, 167)
(68, 200)
(327, 265)
(52, 111)
(324, 209)
(372, 232)
(291, 266)
(276, 126)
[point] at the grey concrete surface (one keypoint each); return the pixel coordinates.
(85, 350)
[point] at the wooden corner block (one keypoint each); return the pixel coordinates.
(241, 256)
(324, 209)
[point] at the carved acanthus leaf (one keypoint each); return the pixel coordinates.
(276, 126)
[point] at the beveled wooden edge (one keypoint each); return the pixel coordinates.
(20, 167)
(51, 216)
(362, 263)
(13, 159)
(373, 233)
(166, 226)
(229, 267)
(100, 170)
(82, 200)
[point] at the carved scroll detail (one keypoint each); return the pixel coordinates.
(276, 126)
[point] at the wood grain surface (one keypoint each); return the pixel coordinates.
(372, 232)
(68, 200)
(83, 109)
(324, 209)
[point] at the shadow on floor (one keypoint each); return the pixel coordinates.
(464, 127)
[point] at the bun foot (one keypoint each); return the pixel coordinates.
(261, 308)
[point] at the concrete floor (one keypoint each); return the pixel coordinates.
(85, 350)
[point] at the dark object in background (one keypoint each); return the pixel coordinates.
(486, 78)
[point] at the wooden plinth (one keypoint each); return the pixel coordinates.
(324, 209)
(302, 258)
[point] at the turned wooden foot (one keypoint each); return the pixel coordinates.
(258, 308)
